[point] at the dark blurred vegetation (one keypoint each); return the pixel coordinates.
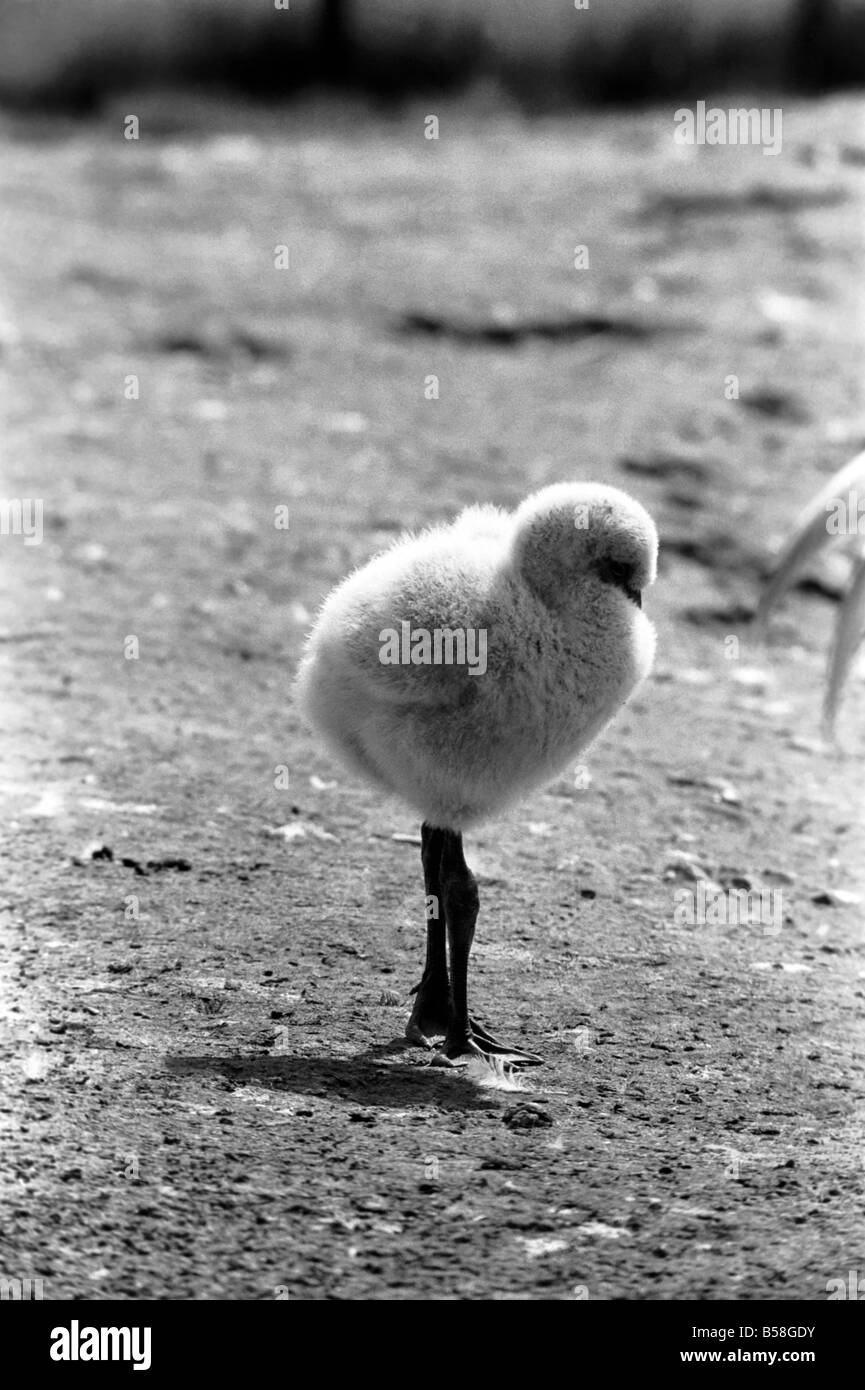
(74, 54)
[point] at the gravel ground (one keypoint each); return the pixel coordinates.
(205, 976)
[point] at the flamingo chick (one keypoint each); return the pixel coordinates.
(464, 667)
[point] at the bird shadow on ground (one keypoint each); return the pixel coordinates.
(368, 1079)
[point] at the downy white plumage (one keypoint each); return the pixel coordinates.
(466, 666)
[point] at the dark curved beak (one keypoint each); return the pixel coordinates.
(636, 597)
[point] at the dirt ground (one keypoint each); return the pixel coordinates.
(205, 1093)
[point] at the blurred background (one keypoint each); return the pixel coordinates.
(547, 51)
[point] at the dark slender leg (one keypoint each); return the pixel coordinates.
(460, 895)
(431, 1012)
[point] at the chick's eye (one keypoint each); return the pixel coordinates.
(621, 574)
(617, 572)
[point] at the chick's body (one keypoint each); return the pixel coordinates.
(562, 649)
